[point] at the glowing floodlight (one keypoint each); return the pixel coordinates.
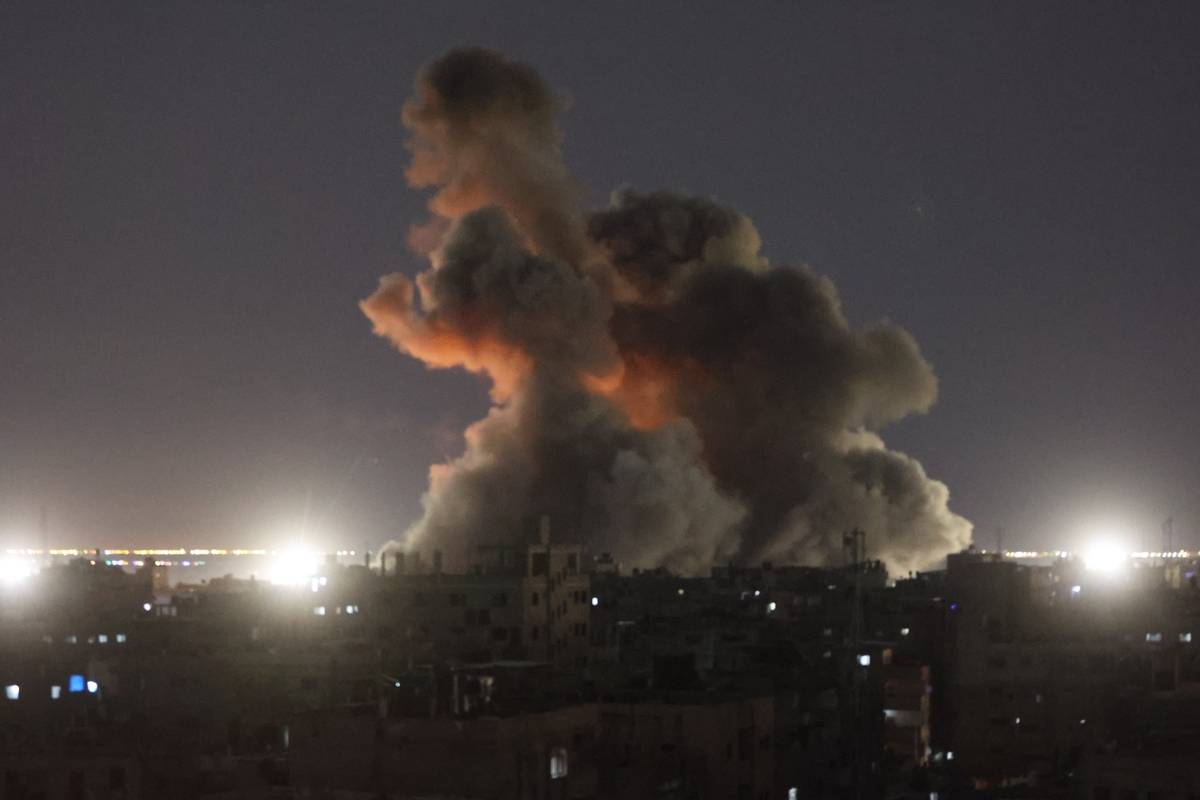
(293, 567)
(1105, 557)
(14, 571)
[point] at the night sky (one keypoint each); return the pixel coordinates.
(194, 197)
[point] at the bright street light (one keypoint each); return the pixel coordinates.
(293, 567)
(1105, 557)
(14, 570)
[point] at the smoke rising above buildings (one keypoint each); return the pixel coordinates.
(660, 390)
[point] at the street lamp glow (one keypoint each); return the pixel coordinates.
(1104, 557)
(293, 567)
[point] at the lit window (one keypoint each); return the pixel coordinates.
(146, 606)
(558, 763)
(102, 638)
(55, 692)
(864, 660)
(680, 592)
(315, 584)
(904, 631)
(70, 639)
(120, 638)
(351, 609)
(771, 607)
(75, 683)
(595, 602)
(757, 592)
(949, 755)
(93, 687)
(12, 691)
(1075, 590)
(319, 611)
(793, 794)
(1154, 637)
(1186, 638)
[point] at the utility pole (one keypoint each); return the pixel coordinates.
(44, 529)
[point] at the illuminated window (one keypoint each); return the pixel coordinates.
(55, 692)
(771, 607)
(558, 763)
(75, 683)
(1186, 638)
(12, 691)
(1154, 637)
(93, 687)
(793, 794)
(319, 611)
(351, 609)
(595, 602)
(70, 639)
(102, 638)
(904, 631)
(120, 638)
(146, 606)
(864, 660)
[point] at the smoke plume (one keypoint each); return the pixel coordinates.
(659, 390)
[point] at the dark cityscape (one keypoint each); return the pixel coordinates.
(679, 401)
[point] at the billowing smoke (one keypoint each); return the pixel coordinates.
(660, 391)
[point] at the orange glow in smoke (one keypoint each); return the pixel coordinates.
(642, 387)
(392, 313)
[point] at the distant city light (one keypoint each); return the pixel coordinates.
(864, 660)
(595, 601)
(12, 691)
(55, 692)
(93, 687)
(771, 606)
(146, 606)
(904, 631)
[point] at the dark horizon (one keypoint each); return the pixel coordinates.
(196, 198)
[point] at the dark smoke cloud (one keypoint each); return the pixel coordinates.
(661, 391)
